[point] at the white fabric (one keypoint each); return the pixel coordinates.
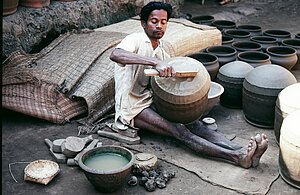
(132, 87)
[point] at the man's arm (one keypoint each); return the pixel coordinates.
(124, 57)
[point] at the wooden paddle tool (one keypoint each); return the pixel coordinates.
(153, 72)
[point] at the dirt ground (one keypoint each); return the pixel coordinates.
(23, 136)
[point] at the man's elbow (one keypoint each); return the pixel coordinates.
(113, 55)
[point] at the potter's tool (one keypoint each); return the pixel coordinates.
(73, 145)
(57, 145)
(74, 161)
(153, 72)
(59, 157)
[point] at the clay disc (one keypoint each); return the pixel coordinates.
(146, 161)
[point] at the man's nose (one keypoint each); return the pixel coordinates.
(158, 25)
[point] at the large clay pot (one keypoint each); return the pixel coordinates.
(181, 100)
(288, 101)
(210, 62)
(254, 30)
(283, 56)
(231, 77)
(278, 34)
(238, 35)
(241, 46)
(35, 3)
(9, 7)
(223, 24)
(289, 154)
(264, 41)
(294, 43)
(254, 58)
(226, 40)
(224, 53)
(260, 91)
(203, 19)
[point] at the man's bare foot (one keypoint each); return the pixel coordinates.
(246, 159)
(223, 2)
(262, 145)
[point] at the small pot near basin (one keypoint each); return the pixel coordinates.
(214, 94)
(107, 167)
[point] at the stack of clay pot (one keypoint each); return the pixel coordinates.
(182, 100)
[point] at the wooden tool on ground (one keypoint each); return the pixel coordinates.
(73, 145)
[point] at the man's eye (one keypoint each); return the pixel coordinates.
(154, 21)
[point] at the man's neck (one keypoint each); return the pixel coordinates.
(154, 43)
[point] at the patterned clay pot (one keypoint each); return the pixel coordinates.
(260, 91)
(294, 43)
(254, 58)
(278, 34)
(231, 77)
(210, 62)
(238, 35)
(226, 40)
(224, 53)
(9, 7)
(35, 3)
(283, 56)
(241, 46)
(182, 100)
(223, 24)
(264, 41)
(286, 103)
(289, 154)
(254, 30)
(204, 19)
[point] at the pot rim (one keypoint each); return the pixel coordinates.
(241, 56)
(268, 39)
(294, 52)
(95, 171)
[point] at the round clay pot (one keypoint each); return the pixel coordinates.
(9, 7)
(294, 43)
(223, 24)
(254, 58)
(278, 34)
(231, 77)
(264, 41)
(210, 62)
(224, 53)
(254, 30)
(241, 46)
(181, 100)
(260, 91)
(214, 93)
(204, 19)
(289, 153)
(283, 56)
(226, 40)
(286, 103)
(238, 35)
(35, 3)
(297, 36)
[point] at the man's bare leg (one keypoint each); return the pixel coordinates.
(150, 120)
(262, 145)
(215, 137)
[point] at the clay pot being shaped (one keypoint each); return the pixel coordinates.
(223, 24)
(231, 77)
(9, 7)
(226, 40)
(286, 103)
(283, 56)
(278, 34)
(254, 58)
(238, 35)
(34, 3)
(204, 19)
(289, 153)
(214, 93)
(294, 43)
(254, 30)
(264, 41)
(241, 46)
(260, 91)
(181, 100)
(210, 62)
(224, 53)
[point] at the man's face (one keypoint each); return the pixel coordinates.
(156, 24)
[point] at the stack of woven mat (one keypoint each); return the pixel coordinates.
(74, 75)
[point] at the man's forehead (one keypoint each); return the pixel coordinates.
(159, 14)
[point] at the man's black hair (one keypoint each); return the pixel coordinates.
(153, 5)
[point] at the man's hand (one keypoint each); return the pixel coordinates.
(164, 69)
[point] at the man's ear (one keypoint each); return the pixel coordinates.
(143, 23)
